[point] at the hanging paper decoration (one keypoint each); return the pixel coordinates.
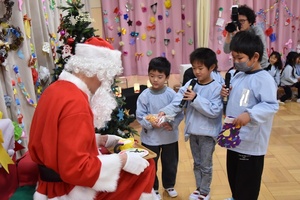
(272, 37)
(138, 23)
(289, 43)
(269, 31)
(151, 27)
(173, 52)
(183, 16)
(129, 22)
(52, 4)
(220, 12)
(125, 16)
(20, 54)
(163, 54)
(128, 7)
(105, 12)
(183, 7)
(116, 10)
(287, 22)
(166, 42)
(117, 19)
(169, 30)
(110, 39)
(110, 27)
(46, 47)
(293, 28)
(218, 52)
(152, 39)
(177, 40)
(144, 36)
(149, 53)
(154, 8)
(160, 17)
(144, 9)
(22, 86)
(190, 41)
(121, 43)
(132, 41)
(189, 24)
(167, 13)
(168, 4)
(27, 25)
(152, 20)
(20, 4)
(138, 56)
(134, 34)
(180, 32)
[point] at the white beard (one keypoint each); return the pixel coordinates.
(102, 103)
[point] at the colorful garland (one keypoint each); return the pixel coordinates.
(8, 5)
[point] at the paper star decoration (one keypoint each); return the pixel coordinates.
(129, 22)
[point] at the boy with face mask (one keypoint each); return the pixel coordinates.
(252, 103)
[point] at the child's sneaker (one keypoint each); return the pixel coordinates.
(195, 195)
(204, 197)
(298, 100)
(158, 197)
(280, 102)
(172, 192)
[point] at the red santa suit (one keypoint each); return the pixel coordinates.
(62, 139)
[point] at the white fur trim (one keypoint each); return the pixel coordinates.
(78, 193)
(109, 173)
(94, 60)
(66, 76)
(147, 196)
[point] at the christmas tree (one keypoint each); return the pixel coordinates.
(75, 27)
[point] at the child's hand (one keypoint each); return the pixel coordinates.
(189, 95)
(160, 114)
(167, 126)
(242, 119)
(225, 91)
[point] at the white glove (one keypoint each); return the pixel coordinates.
(135, 164)
(112, 140)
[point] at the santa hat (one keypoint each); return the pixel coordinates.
(96, 57)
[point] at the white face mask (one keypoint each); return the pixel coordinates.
(243, 67)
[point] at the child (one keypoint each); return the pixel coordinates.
(252, 103)
(275, 66)
(289, 78)
(298, 64)
(162, 139)
(203, 117)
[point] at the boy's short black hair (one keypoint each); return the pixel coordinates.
(247, 43)
(248, 12)
(160, 64)
(206, 56)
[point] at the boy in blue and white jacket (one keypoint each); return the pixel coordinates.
(252, 103)
(203, 119)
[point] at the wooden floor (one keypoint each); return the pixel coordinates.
(281, 176)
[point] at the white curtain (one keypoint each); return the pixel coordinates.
(45, 19)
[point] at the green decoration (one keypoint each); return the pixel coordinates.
(17, 130)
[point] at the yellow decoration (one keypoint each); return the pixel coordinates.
(144, 36)
(1, 114)
(27, 25)
(152, 19)
(126, 111)
(226, 133)
(168, 4)
(5, 160)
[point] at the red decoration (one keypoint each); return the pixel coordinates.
(35, 75)
(218, 51)
(269, 31)
(70, 41)
(224, 33)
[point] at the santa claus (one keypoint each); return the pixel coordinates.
(62, 140)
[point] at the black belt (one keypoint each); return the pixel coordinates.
(48, 175)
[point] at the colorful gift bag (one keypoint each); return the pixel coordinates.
(229, 136)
